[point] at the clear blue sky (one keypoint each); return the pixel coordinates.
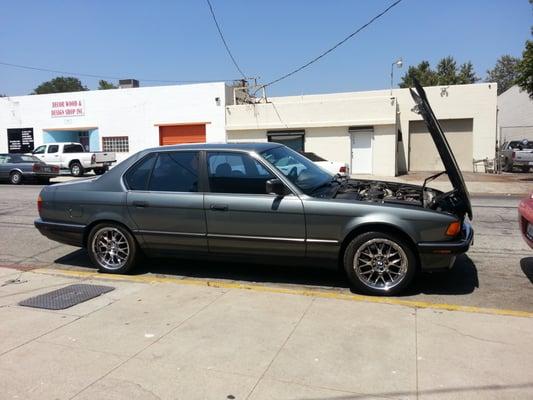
(177, 40)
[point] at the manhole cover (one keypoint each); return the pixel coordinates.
(66, 297)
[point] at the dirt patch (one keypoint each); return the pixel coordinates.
(19, 267)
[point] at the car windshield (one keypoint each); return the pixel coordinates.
(298, 169)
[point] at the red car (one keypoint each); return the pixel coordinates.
(525, 216)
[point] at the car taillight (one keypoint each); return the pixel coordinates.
(343, 169)
(36, 167)
(93, 159)
(454, 228)
(39, 204)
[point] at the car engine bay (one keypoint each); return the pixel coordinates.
(398, 193)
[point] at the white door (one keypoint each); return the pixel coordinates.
(362, 152)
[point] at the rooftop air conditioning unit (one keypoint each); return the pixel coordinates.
(128, 83)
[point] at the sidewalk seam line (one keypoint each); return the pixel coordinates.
(281, 347)
(76, 318)
(149, 345)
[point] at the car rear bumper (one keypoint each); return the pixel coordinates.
(71, 234)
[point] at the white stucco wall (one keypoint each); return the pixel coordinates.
(515, 115)
(477, 101)
(132, 112)
(326, 119)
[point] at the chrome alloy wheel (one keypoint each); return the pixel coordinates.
(380, 264)
(110, 248)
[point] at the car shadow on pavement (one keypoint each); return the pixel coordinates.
(526, 264)
(459, 280)
(462, 279)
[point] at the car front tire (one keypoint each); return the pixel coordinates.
(15, 178)
(112, 248)
(379, 263)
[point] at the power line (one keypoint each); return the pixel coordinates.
(224, 40)
(104, 76)
(334, 47)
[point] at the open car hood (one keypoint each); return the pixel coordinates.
(450, 164)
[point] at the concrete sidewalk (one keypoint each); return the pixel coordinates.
(150, 339)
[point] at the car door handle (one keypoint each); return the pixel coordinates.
(219, 207)
(140, 203)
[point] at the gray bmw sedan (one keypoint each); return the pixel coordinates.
(266, 202)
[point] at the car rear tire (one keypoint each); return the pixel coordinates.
(379, 263)
(76, 169)
(112, 248)
(15, 178)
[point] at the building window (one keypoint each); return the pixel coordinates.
(118, 144)
(290, 138)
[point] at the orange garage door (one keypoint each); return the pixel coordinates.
(177, 134)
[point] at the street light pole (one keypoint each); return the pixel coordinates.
(399, 64)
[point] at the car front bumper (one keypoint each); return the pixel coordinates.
(441, 255)
(71, 234)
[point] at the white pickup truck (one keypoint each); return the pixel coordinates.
(517, 154)
(72, 156)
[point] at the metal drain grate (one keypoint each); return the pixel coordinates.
(66, 297)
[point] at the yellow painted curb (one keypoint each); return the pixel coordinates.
(273, 289)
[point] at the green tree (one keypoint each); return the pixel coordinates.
(467, 74)
(60, 84)
(524, 75)
(446, 73)
(504, 72)
(104, 85)
(422, 72)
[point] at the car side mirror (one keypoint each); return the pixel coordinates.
(275, 186)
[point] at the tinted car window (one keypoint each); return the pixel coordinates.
(4, 159)
(53, 148)
(39, 150)
(137, 176)
(73, 148)
(236, 173)
(175, 172)
(27, 159)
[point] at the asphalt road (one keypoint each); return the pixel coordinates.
(497, 272)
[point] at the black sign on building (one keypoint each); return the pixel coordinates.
(20, 140)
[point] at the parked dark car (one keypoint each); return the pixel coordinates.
(17, 168)
(239, 201)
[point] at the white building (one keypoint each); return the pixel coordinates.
(121, 120)
(515, 115)
(375, 132)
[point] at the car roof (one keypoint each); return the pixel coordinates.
(247, 146)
